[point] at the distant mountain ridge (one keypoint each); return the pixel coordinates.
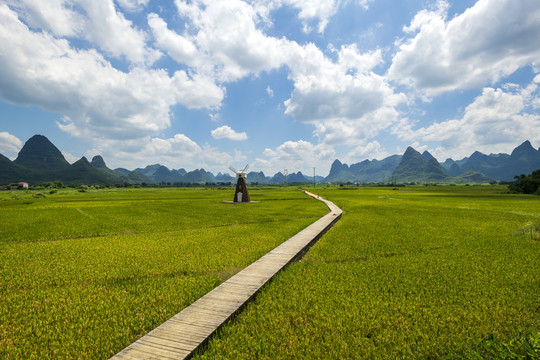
(364, 171)
(40, 161)
(425, 168)
(523, 160)
(416, 167)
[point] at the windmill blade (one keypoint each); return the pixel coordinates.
(245, 169)
(233, 169)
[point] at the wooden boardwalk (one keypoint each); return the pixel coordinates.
(181, 335)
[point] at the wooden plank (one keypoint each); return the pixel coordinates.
(142, 352)
(217, 305)
(201, 320)
(196, 310)
(181, 335)
(165, 344)
(173, 337)
(176, 326)
(235, 290)
(186, 339)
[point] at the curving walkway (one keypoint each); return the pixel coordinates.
(181, 335)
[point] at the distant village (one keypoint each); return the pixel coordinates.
(16, 186)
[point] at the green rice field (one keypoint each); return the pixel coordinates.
(414, 273)
(438, 272)
(82, 275)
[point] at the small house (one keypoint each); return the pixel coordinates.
(23, 185)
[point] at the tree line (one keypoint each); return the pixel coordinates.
(526, 184)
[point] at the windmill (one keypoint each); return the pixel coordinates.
(241, 194)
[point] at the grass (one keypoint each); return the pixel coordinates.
(82, 275)
(446, 272)
(419, 273)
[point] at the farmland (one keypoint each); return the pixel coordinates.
(419, 272)
(85, 274)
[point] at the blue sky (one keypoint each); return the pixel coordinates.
(278, 84)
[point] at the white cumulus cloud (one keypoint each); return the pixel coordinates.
(176, 152)
(97, 21)
(345, 99)
(97, 100)
(309, 11)
(228, 42)
(487, 42)
(371, 150)
(103, 19)
(133, 5)
(177, 46)
(499, 117)
(225, 132)
(9, 143)
(296, 156)
(55, 16)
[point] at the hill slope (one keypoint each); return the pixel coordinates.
(99, 164)
(414, 167)
(82, 172)
(39, 154)
(11, 172)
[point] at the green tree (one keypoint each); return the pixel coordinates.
(526, 184)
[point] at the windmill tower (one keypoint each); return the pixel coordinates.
(241, 194)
